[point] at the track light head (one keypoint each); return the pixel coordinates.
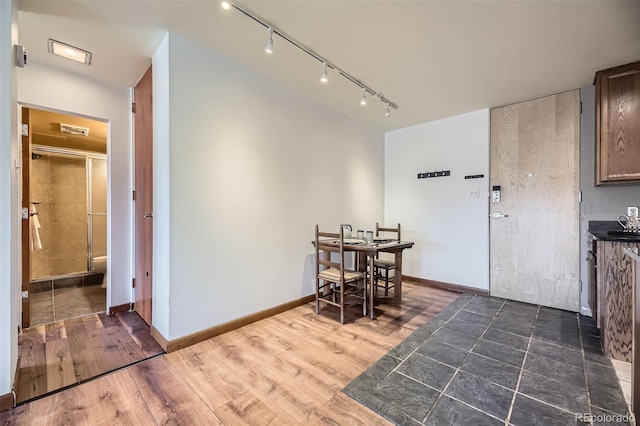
(388, 113)
(363, 100)
(324, 79)
(269, 47)
(225, 5)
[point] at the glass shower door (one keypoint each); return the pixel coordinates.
(97, 208)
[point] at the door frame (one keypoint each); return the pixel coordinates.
(576, 183)
(26, 272)
(25, 147)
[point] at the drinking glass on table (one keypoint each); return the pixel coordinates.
(369, 237)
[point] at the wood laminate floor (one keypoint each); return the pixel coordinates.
(288, 369)
(63, 353)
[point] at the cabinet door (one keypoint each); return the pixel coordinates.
(616, 280)
(618, 125)
(593, 287)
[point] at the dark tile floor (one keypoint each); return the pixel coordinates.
(490, 361)
(63, 303)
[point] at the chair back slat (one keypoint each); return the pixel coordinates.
(380, 229)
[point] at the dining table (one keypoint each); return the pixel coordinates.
(366, 253)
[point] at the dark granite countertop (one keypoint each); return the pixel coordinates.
(600, 230)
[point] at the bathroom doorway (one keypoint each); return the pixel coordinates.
(68, 216)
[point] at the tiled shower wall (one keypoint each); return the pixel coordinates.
(99, 206)
(58, 182)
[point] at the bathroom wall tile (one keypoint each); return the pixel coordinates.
(68, 282)
(41, 286)
(62, 267)
(81, 264)
(39, 175)
(40, 269)
(93, 278)
(58, 250)
(77, 245)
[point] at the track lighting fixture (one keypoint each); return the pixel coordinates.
(324, 79)
(363, 100)
(269, 47)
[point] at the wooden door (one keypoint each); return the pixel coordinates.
(26, 221)
(143, 210)
(534, 251)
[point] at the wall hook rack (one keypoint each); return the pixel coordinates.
(440, 173)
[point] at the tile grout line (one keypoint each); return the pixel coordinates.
(414, 351)
(526, 353)
(460, 366)
(584, 370)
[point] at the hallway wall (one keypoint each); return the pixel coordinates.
(50, 88)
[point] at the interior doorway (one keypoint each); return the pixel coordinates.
(65, 197)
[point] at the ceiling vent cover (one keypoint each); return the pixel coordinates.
(74, 130)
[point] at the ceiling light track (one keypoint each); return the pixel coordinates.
(273, 30)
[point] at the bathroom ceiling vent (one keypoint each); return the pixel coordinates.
(74, 130)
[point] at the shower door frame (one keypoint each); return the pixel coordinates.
(88, 155)
(90, 213)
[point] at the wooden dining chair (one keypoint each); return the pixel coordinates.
(385, 265)
(335, 284)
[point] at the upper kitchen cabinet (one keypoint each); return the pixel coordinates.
(618, 125)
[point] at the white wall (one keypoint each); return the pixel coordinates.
(451, 230)
(9, 199)
(44, 86)
(252, 168)
(161, 184)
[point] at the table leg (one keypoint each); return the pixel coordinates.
(372, 283)
(397, 287)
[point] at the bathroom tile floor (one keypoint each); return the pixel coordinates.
(68, 302)
(490, 361)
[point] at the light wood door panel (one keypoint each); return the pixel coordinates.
(534, 252)
(144, 196)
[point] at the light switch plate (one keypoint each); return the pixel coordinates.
(632, 211)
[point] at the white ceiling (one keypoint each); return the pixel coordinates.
(433, 58)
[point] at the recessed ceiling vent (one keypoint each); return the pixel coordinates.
(74, 130)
